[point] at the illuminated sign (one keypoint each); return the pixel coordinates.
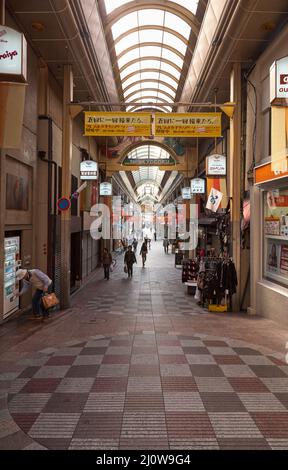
(186, 193)
(216, 165)
(88, 170)
(279, 79)
(197, 186)
(13, 54)
(105, 189)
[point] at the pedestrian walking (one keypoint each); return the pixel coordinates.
(143, 253)
(106, 261)
(129, 260)
(34, 278)
(135, 244)
(166, 245)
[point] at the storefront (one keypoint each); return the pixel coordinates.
(272, 288)
(266, 150)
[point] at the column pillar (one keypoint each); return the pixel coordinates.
(107, 200)
(66, 187)
(235, 176)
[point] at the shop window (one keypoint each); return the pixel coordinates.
(276, 235)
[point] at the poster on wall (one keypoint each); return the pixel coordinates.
(17, 192)
(284, 260)
(272, 257)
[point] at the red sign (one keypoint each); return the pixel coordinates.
(63, 204)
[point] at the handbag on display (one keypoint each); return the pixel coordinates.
(49, 301)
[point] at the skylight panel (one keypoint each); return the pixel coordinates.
(120, 26)
(132, 89)
(165, 97)
(169, 55)
(144, 108)
(170, 69)
(149, 75)
(149, 64)
(126, 42)
(175, 42)
(175, 22)
(135, 96)
(164, 78)
(166, 89)
(146, 17)
(128, 56)
(111, 5)
(151, 35)
(130, 69)
(135, 78)
(191, 5)
(151, 51)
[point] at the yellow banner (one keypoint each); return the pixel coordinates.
(188, 125)
(118, 124)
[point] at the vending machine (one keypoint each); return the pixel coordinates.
(11, 263)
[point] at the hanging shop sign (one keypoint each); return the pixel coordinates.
(88, 170)
(214, 200)
(105, 189)
(119, 124)
(279, 80)
(186, 193)
(216, 165)
(13, 55)
(197, 186)
(188, 125)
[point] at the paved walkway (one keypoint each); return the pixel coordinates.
(136, 364)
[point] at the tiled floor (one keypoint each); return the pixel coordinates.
(135, 364)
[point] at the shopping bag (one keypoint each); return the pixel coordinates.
(125, 269)
(49, 301)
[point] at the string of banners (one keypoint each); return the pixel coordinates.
(160, 125)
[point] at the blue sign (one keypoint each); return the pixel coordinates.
(64, 204)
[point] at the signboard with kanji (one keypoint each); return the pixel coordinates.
(118, 124)
(188, 125)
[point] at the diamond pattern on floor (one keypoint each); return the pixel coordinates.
(124, 393)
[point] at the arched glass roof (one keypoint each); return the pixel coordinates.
(150, 45)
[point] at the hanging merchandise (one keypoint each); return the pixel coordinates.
(190, 268)
(216, 282)
(223, 231)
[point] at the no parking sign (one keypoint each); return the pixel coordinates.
(63, 204)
